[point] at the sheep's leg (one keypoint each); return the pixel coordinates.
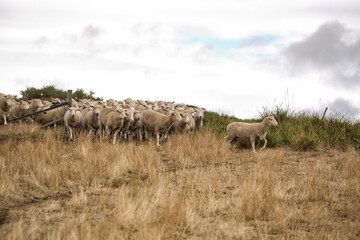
(252, 141)
(232, 144)
(166, 135)
(157, 138)
(122, 136)
(4, 116)
(139, 135)
(115, 134)
(146, 134)
(70, 134)
(102, 133)
(265, 141)
(95, 132)
(107, 132)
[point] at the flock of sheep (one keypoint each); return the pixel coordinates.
(128, 119)
(111, 119)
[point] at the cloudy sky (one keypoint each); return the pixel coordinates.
(231, 56)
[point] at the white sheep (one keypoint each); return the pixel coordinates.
(111, 122)
(91, 120)
(72, 120)
(51, 115)
(124, 131)
(19, 109)
(35, 104)
(6, 102)
(135, 127)
(199, 116)
(241, 131)
(154, 122)
(182, 125)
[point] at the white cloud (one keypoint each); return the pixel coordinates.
(138, 50)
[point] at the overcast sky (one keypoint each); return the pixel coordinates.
(231, 56)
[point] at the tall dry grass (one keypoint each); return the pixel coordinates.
(191, 187)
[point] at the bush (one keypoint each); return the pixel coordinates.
(50, 91)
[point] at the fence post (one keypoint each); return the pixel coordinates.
(323, 116)
(69, 100)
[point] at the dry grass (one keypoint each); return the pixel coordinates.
(191, 187)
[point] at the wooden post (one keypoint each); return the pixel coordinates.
(324, 113)
(69, 100)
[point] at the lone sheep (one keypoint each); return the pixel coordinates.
(241, 131)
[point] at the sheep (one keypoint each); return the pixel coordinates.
(35, 104)
(241, 131)
(199, 116)
(103, 120)
(135, 127)
(111, 122)
(129, 102)
(158, 123)
(72, 120)
(183, 125)
(51, 115)
(45, 117)
(46, 104)
(142, 103)
(19, 109)
(124, 131)
(91, 120)
(55, 100)
(6, 102)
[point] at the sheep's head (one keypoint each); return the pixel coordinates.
(97, 111)
(175, 115)
(129, 115)
(185, 117)
(199, 113)
(55, 100)
(271, 122)
(72, 112)
(24, 105)
(8, 101)
(137, 115)
(121, 114)
(37, 103)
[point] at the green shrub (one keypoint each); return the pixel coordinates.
(50, 91)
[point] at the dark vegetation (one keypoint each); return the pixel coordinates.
(50, 91)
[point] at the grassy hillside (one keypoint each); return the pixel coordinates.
(298, 131)
(193, 186)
